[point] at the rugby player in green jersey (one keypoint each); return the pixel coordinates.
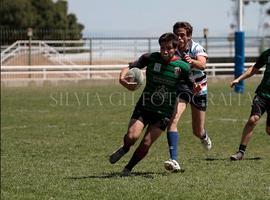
(261, 102)
(164, 71)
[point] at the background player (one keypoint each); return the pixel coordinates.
(260, 104)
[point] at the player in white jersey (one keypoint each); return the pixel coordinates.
(194, 92)
(198, 76)
(194, 51)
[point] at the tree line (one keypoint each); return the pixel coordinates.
(48, 19)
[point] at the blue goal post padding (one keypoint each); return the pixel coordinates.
(239, 59)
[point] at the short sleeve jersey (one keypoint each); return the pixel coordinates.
(196, 75)
(159, 94)
(264, 88)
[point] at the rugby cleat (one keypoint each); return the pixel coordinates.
(237, 156)
(125, 172)
(206, 143)
(172, 166)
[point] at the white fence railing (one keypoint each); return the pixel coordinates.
(68, 72)
(118, 50)
(21, 47)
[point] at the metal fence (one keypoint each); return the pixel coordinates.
(89, 51)
(19, 49)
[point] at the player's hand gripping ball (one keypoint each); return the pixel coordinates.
(135, 75)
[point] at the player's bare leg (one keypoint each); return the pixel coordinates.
(152, 133)
(246, 135)
(134, 130)
(268, 130)
(268, 123)
(198, 121)
(180, 107)
(248, 129)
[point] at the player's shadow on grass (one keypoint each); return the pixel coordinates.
(149, 175)
(219, 159)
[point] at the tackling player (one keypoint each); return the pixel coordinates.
(195, 93)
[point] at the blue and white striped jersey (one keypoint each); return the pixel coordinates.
(196, 75)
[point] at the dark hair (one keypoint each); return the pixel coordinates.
(169, 37)
(184, 25)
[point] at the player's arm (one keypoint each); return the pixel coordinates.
(248, 73)
(129, 85)
(140, 63)
(199, 59)
(199, 62)
(260, 62)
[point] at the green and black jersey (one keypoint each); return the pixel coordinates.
(159, 94)
(264, 88)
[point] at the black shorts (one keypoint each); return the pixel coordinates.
(151, 118)
(259, 106)
(198, 101)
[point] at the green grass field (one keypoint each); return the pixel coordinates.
(55, 143)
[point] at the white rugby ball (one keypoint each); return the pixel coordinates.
(135, 75)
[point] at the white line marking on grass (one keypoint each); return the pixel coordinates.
(228, 119)
(7, 128)
(119, 123)
(32, 111)
(87, 124)
(52, 126)
(14, 127)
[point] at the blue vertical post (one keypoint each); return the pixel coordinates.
(239, 59)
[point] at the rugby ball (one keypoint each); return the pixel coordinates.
(135, 75)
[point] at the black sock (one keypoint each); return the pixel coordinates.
(126, 149)
(133, 161)
(138, 155)
(242, 148)
(204, 135)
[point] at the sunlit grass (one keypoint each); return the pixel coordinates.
(55, 143)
